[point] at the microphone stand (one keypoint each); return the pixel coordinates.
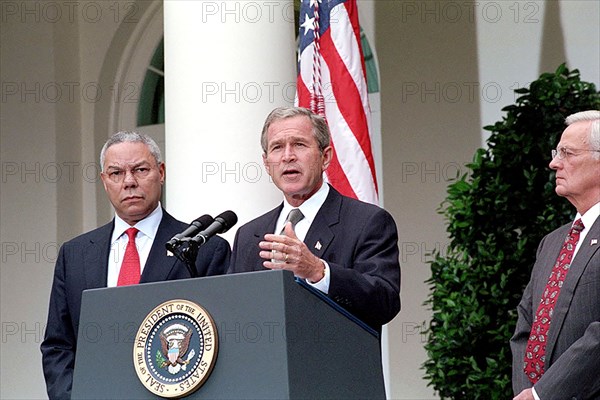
(187, 252)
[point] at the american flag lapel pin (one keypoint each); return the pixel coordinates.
(593, 242)
(318, 245)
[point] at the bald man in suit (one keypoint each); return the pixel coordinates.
(562, 360)
(343, 247)
(133, 175)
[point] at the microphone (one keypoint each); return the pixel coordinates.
(196, 226)
(221, 224)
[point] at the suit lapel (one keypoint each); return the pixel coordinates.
(251, 252)
(580, 263)
(320, 235)
(159, 264)
(95, 257)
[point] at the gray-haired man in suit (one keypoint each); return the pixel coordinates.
(345, 248)
(133, 174)
(556, 345)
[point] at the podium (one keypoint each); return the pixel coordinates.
(277, 339)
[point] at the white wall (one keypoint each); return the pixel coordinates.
(536, 37)
(427, 139)
(28, 226)
(426, 51)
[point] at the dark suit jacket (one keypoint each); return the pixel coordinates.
(83, 264)
(572, 367)
(359, 241)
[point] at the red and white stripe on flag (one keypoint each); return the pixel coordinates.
(332, 82)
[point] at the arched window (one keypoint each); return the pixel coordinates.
(151, 107)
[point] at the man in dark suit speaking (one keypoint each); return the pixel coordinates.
(128, 250)
(345, 248)
(556, 345)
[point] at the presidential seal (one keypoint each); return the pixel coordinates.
(175, 348)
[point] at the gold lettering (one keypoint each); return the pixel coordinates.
(154, 384)
(140, 341)
(203, 324)
(190, 309)
(202, 367)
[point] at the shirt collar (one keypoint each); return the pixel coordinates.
(590, 216)
(310, 207)
(148, 226)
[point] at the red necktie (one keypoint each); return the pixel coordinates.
(130, 269)
(535, 354)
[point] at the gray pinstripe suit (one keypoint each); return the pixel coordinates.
(573, 346)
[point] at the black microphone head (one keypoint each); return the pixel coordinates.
(197, 225)
(228, 219)
(203, 221)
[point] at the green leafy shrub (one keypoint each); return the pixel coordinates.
(496, 216)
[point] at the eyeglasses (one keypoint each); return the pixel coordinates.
(118, 175)
(565, 152)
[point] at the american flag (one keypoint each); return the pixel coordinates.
(332, 82)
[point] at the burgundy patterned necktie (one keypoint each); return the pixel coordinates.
(535, 353)
(130, 269)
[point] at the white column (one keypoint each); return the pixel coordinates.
(227, 65)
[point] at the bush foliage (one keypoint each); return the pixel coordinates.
(496, 215)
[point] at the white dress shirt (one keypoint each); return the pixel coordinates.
(588, 220)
